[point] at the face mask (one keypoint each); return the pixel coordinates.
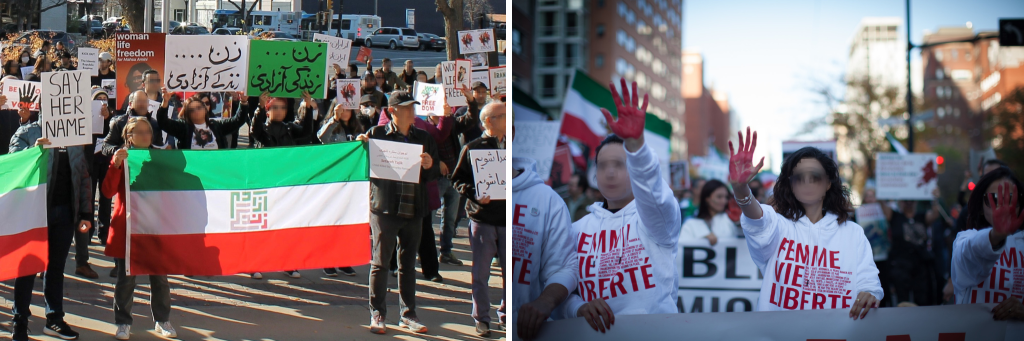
(24, 59)
(367, 110)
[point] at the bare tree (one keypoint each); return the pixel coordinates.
(133, 13)
(476, 10)
(454, 21)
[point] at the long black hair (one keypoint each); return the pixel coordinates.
(704, 211)
(837, 197)
(976, 204)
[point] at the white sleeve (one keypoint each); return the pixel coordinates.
(693, 229)
(658, 208)
(867, 273)
(762, 234)
(558, 261)
(973, 258)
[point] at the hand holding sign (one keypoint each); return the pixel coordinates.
(488, 174)
(864, 302)
(426, 161)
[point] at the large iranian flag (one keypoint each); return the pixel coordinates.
(247, 210)
(582, 119)
(23, 239)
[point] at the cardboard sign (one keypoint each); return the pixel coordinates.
(497, 80)
(25, 71)
(136, 53)
(88, 59)
(476, 41)
(349, 93)
(364, 54)
(482, 77)
(395, 160)
(489, 172)
(110, 86)
(206, 63)
(65, 114)
(430, 98)
(338, 50)
(285, 69)
(906, 177)
(21, 93)
(97, 117)
(537, 140)
(456, 75)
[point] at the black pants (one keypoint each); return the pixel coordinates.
(60, 230)
(427, 251)
(915, 277)
(883, 279)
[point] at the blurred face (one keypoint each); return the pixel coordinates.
(386, 65)
(353, 72)
(135, 80)
(612, 178)
(65, 61)
(60, 45)
(105, 64)
(437, 71)
(369, 83)
(345, 113)
(421, 78)
(278, 111)
(140, 102)
(141, 136)
(404, 114)
(495, 123)
(197, 112)
(480, 95)
(408, 66)
(574, 188)
(870, 196)
(152, 82)
(993, 190)
(718, 199)
(809, 181)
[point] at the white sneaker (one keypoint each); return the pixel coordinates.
(165, 329)
(257, 275)
(293, 274)
(123, 331)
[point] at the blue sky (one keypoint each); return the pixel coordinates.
(767, 54)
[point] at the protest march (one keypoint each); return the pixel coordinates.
(178, 163)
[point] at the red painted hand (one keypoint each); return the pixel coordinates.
(1006, 217)
(741, 163)
(630, 123)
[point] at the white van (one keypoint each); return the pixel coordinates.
(354, 26)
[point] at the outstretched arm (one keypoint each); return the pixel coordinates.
(742, 171)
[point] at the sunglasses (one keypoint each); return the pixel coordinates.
(811, 178)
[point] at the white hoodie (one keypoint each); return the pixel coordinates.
(983, 275)
(628, 257)
(542, 242)
(810, 266)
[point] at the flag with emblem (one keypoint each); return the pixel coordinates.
(23, 248)
(233, 211)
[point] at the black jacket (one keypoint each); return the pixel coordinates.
(279, 134)
(492, 213)
(183, 131)
(384, 193)
(471, 132)
(115, 141)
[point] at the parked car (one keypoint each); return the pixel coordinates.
(109, 28)
(394, 38)
(430, 41)
(112, 19)
(158, 26)
(96, 29)
(91, 18)
(193, 30)
(226, 31)
(52, 36)
(278, 36)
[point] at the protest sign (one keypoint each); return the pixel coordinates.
(395, 160)
(97, 117)
(456, 75)
(906, 177)
(430, 98)
(680, 171)
(206, 63)
(364, 54)
(876, 229)
(338, 50)
(476, 41)
(827, 147)
(26, 70)
(489, 172)
(88, 59)
(64, 115)
(716, 278)
(110, 86)
(537, 140)
(349, 93)
(561, 169)
(136, 53)
(497, 80)
(21, 93)
(478, 60)
(482, 77)
(286, 68)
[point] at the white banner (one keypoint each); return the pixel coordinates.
(349, 93)
(489, 172)
(537, 140)
(430, 98)
(97, 117)
(206, 63)
(20, 93)
(456, 75)
(338, 51)
(65, 113)
(720, 278)
(395, 160)
(476, 41)
(497, 80)
(906, 177)
(949, 322)
(88, 59)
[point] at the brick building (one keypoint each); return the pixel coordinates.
(708, 118)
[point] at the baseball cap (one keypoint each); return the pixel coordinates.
(366, 99)
(478, 84)
(401, 98)
(106, 56)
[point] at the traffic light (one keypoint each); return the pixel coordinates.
(941, 162)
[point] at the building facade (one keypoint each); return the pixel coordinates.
(708, 118)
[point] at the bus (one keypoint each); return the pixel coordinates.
(287, 22)
(353, 26)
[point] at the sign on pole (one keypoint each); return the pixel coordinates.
(65, 114)
(489, 172)
(286, 68)
(911, 176)
(430, 98)
(456, 74)
(476, 41)
(210, 63)
(88, 59)
(410, 17)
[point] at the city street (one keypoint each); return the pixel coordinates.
(420, 59)
(314, 307)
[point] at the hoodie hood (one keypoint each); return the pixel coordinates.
(828, 222)
(529, 177)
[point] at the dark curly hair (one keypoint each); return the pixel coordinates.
(704, 210)
(837, 198)
(976, 204)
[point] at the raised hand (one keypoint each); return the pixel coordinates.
(630, 123)
(1006, 217)
(741, 163)
(27, 95)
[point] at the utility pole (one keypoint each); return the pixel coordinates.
(910, 93)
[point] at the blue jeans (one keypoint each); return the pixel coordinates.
(450, 208)
(60, 231)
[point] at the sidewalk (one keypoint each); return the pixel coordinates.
(314, 307)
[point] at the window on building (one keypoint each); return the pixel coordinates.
(517, 41)
(941, 112)
(630, 17)
(599, 61)
(550, 53)
(621, 66)
(547, 86)
(952, 54)
(570, 55)
(938, 55)
(547, 23)
(599, 30)
(571, 27)
(939, 74)
(621, 8)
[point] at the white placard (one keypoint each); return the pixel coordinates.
(488, 172)
(395, 160)
(497, 80)
(536, 140)
(110, 86)
(206, 63)
(338, 51)
(153, 107)
(430, 98)
(478, 60)
(65, 114)
(88, 59)
(476, 41)
(482, 77)
(26, 70)
(97, 116)
(455, 75)
(906, 177)
(15, 90)
(716, 278)
(349, 93)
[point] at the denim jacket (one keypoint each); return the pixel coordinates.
(82, 203)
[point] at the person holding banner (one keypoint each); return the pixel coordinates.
(269, 128)
(136, 134)
(139, 108)
(342, 125)
(369, 84)
(397, 210)
(69, 200)
(986, 256)
(369, 114)
(636, 274)
(99, 163)
(812, 255)
(194, 129)
(712, 222)
(448, 149)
